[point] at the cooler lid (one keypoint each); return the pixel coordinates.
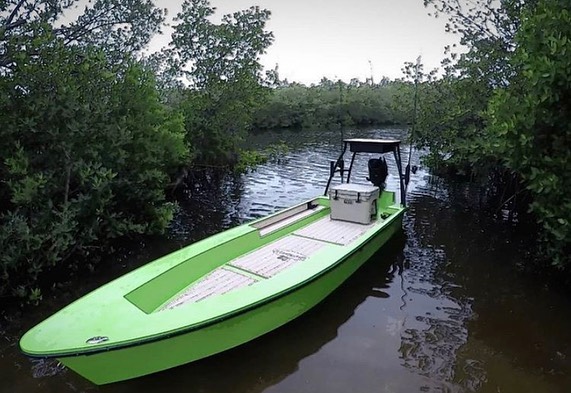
(354, 188)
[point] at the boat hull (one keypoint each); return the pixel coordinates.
(170, 351)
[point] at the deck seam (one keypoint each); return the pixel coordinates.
(317, 240)
(240, 270)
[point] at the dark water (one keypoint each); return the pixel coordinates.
(440, 309)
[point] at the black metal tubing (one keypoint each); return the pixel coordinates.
(335, 168)
(396, 152)
(351, 167)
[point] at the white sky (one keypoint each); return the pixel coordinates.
(337, 38)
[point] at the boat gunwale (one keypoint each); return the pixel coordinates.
(241, 230)
(235, 312)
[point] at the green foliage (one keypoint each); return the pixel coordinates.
(220, 61)
(217, 119)
(118, 26)
(327, 104)
(451, 117)
(88, 141)
(249, 159)
(212, 53)
(451, 120)
(448, 120)
(532, 118)
(86, 150)
(502, 107)
(487, 28)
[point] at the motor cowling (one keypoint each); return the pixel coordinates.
(378, 171)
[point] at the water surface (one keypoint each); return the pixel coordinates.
(441, 308)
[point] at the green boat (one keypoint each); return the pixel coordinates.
(230, 288)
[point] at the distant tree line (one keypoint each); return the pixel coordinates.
(329, 103)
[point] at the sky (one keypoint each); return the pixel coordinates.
(343, 39)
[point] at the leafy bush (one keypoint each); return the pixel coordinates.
(532, 119)
(87, 149)
(502, 111)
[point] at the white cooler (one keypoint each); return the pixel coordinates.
(353, 202)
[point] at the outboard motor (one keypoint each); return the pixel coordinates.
(378, 171)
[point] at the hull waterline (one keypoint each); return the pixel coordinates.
(229, 288)
(144, 358)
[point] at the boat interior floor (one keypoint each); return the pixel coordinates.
(270, 260)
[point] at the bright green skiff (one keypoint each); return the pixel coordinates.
(212, 295)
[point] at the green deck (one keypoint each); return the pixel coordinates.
(145, 339)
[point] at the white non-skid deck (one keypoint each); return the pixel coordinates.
(333, 231)
(277, 256)
(270, 260)
(217, 282)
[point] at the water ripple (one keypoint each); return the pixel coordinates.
(436, 310)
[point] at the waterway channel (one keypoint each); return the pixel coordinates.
(441, 308)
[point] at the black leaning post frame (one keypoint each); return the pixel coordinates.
(396, 152)
(351, 166)
(333, 168)
(367, 146)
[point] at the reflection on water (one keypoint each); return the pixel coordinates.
(440, 309)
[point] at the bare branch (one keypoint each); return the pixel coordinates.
(14, 13)
(13, 25)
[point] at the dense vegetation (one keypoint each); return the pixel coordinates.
(329, 103)
(93, 133)
(502, 112)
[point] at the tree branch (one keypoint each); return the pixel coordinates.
(13, 13)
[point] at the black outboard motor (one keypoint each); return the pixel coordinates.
(378, 172)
